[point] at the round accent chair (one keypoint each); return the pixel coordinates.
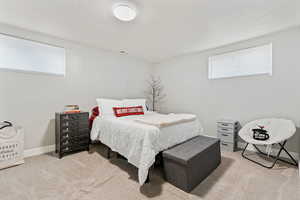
(278, 131)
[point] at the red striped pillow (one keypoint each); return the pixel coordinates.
(126, 111)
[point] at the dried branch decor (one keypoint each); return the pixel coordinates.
(155, 93)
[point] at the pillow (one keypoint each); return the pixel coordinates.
(135, 102)
(106, 106)
(95, 113)
(126, 111)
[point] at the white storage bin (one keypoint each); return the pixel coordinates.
(227, 132)
(11, 146)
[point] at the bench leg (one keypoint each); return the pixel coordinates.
(148, 176)
(119, 156)
(108, 153)
(148, 179)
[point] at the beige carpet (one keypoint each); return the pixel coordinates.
(84, 176)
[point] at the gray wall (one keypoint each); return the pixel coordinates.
(31, 100)
(245, 98)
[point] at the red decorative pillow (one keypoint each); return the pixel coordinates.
(95, 113)
(125, 111)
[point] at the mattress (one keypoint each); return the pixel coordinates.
(140, 143)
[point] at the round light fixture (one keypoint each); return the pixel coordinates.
(124, 12)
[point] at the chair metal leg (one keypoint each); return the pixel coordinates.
(292, 158)
(282, 148)
(243, 152)
(276, 158)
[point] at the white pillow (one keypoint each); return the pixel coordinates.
(135, 102)
(106, 106)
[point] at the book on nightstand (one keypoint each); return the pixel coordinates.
(69, 109)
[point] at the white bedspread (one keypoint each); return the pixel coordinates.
(160, 120)
(140, 143)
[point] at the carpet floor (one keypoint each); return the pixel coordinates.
(90, 176)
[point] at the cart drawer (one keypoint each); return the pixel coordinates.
(227, 146)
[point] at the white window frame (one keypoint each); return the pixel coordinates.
(236, 56)
(56, 52)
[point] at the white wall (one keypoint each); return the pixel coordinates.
(31, 100)
(246, 98)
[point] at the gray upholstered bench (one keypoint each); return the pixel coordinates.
(189, 163)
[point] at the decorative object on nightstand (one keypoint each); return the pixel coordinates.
(227, 132)
(71, 133)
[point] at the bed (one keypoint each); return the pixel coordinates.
(139, 142)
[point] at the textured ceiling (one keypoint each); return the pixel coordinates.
(163, 28)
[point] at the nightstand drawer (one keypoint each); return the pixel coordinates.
(75, 140)
(69, 123)
(72, 148)
(84, 132)
(69, 130)
(83, 124)
(69, 117)
(65, 136)
(69, 133)
(228, 137)
(83, 115)
(83, 127)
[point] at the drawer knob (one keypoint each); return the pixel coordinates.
(66, 136)
(66, 117)
(66, 130)
(224, 134)
(224, 144)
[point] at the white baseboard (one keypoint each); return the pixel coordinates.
(39, 151)
(209, 136)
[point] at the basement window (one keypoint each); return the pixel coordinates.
(17, 54)
(245, 62)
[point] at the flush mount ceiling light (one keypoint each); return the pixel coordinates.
(124, 11)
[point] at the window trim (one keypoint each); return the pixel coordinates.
(237, 50)
(4, 69)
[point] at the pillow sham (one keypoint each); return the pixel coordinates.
(106, 106)
(135, 102)
(126, 111)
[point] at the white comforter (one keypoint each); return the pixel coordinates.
(140, 143)
(160, 120)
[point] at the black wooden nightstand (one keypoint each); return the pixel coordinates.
(72, 133)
